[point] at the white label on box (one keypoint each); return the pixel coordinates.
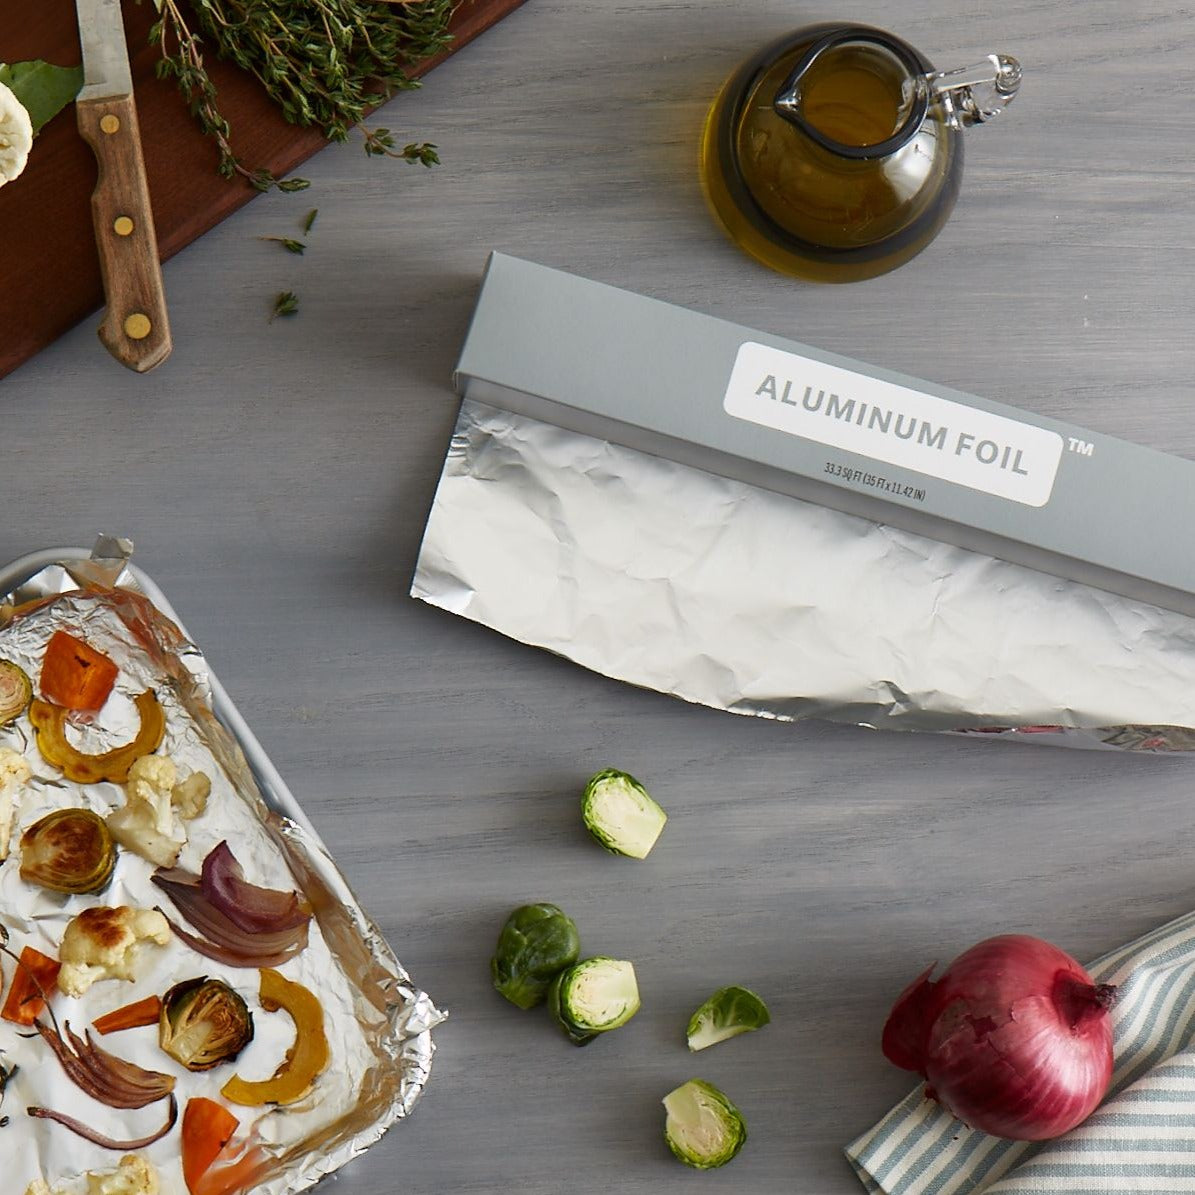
(893, 424)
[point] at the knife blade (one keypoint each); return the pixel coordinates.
(135, 328)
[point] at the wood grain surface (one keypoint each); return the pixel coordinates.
(51, 269)
(276, 477)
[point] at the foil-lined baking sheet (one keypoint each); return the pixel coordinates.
(377, 1022)
(754, 602)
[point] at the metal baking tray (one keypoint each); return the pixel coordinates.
(408, 1013)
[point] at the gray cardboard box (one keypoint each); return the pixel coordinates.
(831, 430)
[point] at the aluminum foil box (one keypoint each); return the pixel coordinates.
(786, 417)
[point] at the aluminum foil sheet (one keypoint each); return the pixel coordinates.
(377, 1022)
(750, 601)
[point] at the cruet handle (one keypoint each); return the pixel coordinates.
(969, 95)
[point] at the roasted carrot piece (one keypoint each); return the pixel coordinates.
(207, 1129)
(131, 1016)
(25, 1003)
(74, 675)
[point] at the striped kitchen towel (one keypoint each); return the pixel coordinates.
(1141, 1139)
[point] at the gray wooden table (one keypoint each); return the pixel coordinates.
(276, 478)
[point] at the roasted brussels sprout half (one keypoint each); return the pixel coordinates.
(535, 945)
(727, 1013)
(203, 1023)
(594, 996)
(703, 1128)
(16, 690)
(620, 814)
(69, 850)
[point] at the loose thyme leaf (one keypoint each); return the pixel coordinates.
(287, 303)
(311, 215)
(289, 244)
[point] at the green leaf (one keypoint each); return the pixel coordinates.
(43, 88)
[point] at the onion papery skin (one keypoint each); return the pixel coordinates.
(1014, 1039)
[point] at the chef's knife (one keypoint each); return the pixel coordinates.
(135, 328)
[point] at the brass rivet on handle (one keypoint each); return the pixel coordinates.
(137, 326)
(110, 123)
(122, 226)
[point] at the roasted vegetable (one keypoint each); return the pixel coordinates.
(304, 1061)
(535, 945)
(207, 1128)
(620, 815)
(727, 1013)
(74, 675)
(14, 772)
(103, 943)
(203, 1023)
(703, 1128)
(594, 996)
(131, 1016)
(69, 850)
(33, 979)
(152, 821)
(16, 689)
(224, 940)
(49, 721)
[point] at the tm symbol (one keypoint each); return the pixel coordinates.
(1082, 447)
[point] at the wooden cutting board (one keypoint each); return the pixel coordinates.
(49, 273)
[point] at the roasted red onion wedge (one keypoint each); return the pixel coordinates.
(224, 940)
(103, 1076)
(255, 910)
(89, 1134)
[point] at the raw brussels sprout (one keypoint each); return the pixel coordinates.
(535, 945)
(727, 1013)
(203, 1023)
(703, 1128)
(594, 996)
(619, 813)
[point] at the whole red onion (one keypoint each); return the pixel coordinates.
(1014, 1038)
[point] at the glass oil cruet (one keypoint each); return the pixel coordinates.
(836, 153)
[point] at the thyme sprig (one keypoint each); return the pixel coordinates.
(326, 63)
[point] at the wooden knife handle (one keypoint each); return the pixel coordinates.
(135, 329)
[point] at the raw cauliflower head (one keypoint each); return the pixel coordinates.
(101, 943)
(16, 135)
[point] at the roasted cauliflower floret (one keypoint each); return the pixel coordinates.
(39, 1186)
(134, 1176)
(190, 796)
(14, 771)
(151, 779)
(102, 943)
(147, 823)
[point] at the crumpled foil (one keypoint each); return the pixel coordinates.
(750, 601)
(378, 1024)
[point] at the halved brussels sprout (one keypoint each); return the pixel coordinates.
(16, 690)
(203, 1023)
(620, 814)
(727, 1013)
(703, 1128)
(535, 945)
(69, 850)
(594, 996)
